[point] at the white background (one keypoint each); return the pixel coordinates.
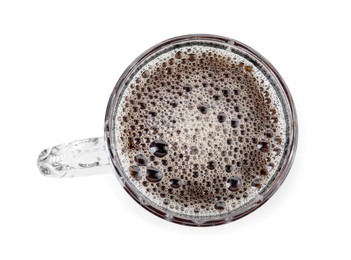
(58, 64)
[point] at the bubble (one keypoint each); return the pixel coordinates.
(256, 183)
(173, 104)
(216, 97)
(140, 159)
(192, 57)
(135, 172)
(219, 205)
(203, 108)
(274, 120)
(234, 123)
(187, 88)
(248, 68)
(263, 146)
(226, 92)
(175, 183)
(236, 91)
(178, 55)
(142, 104)
(278, 140)
(196, 174)
(276, 151)
(211, 165)
(168, 71)
(145, 74)
(228, 168)
(221, 117)
(194, 150)
(234, 183)
(268, 134)
(153, 113)
(153, 174)
(159, 148)
(263, 172)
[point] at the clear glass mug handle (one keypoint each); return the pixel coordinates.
(77, 158)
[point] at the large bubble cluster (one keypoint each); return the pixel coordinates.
(200, 131)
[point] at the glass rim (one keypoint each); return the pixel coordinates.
(184, 218)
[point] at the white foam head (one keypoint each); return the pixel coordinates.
(201, 131)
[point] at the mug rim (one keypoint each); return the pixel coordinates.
(184, 218)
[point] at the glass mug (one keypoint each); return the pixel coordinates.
(200, 130)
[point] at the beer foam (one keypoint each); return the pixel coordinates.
(200, 130)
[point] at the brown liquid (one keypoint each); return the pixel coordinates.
(197, 129)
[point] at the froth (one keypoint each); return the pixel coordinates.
(200, 130)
